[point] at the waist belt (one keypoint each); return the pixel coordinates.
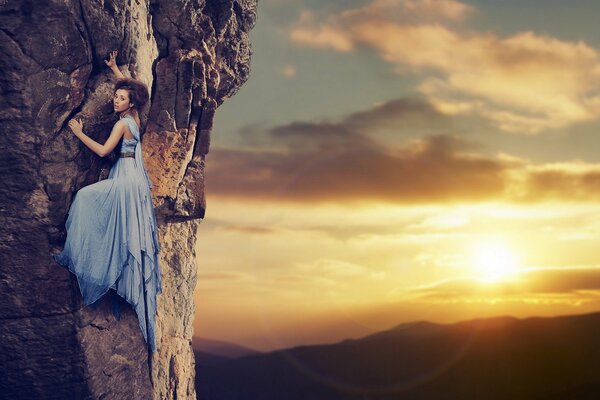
(127, 154)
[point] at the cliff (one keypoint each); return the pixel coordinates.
(193, 54)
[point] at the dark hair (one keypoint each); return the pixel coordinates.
(138, 91)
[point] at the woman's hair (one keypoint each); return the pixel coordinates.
(138, 91)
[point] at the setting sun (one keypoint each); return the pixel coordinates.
(494, 261)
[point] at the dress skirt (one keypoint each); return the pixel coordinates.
(112, 242)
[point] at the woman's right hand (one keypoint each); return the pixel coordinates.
(112, 63)
(76, 126)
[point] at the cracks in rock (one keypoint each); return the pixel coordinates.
(126, 34)
(154, 86)
(162, 18)
(87, 30)
(99, 327)
(167, 16)
(82, 33)
(176, 94)
(194, 123)
(214, 15)
(71, 114)
(175, 219)
(162, 41)
(173, 381)
(237, 9)
(14, 40)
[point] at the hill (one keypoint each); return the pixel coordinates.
(495, 358)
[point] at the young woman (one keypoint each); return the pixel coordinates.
(112, 241)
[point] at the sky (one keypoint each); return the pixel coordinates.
(391, 161)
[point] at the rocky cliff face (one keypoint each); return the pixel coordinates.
(193, 54)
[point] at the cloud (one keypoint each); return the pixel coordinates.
(573, 286)
(427, 170)
(224, 276)
(346, 161)
(409, 113)
(259, 230)
(408, 11)
(330, 272)
(574, 181)
(524, 83)
(324, 37)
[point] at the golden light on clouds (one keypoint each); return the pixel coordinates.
(325, 37)
(342, 270)
(440, 168)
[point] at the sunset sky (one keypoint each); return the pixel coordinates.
(391, 161)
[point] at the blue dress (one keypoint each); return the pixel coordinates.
(112, 242)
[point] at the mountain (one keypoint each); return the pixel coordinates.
(503, 358)
(219, 348)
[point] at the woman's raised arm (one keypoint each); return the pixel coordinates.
(112, 63)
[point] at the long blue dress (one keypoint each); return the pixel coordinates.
(112, 242)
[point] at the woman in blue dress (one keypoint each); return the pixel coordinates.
(112, 240)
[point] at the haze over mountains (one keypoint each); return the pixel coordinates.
(493, 358)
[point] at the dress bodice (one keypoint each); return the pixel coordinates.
(128, 145)
(135, 145)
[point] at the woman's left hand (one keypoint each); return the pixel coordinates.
(76, 127)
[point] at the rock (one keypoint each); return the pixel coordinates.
(193, 55)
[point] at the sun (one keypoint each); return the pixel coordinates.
(494, 261)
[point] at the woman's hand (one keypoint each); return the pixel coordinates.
(112, 63)
(76, 127)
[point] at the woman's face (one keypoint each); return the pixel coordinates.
(121, 101)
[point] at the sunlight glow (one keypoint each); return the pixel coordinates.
(494, 261)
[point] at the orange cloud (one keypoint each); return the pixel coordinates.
(428, 170)
(572, 286)
(563, 183)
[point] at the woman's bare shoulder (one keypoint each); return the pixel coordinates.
(136, 117)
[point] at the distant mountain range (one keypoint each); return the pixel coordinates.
(503, 358)
(219, 348)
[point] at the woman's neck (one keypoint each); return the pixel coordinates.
(125, 113)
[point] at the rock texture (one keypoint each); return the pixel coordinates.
(193, 54)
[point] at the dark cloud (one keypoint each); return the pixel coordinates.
(345, 161)
(430, 171)
(412, 113)
(324, 136)
(402, 118)
(566, 185)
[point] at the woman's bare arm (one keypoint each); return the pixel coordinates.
(112, 63)
(101, 149)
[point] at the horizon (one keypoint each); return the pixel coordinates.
(394, 327)
(447, 324)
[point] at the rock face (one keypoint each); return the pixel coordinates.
(193, 54)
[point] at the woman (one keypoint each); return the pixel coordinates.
(112, 241)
